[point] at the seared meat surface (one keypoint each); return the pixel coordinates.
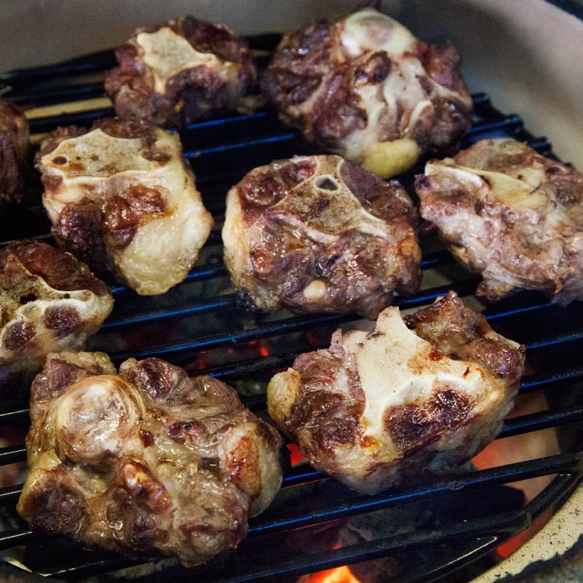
(122, 198)
(367, 89)
(147, 462)
(49, 302)
(15, 158)
(423, 394)
(511, 215)
(318, 234)
(180, 71)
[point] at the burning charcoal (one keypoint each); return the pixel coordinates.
(423, 394)
(367, 89)
(147, 462)
(181, 71)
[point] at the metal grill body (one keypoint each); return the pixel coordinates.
(200, 326)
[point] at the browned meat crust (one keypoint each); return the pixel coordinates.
(160, 80)
(122, 198)
(320, 234)
(462, 334)
(49, 302)
(381, 408)
(366, 79)
(15, 158)
(510, 214)
(147, 462)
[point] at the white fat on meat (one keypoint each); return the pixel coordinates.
(165, 244)
(365, 88)
(147, 462)
(395, 367)
(514, 193)
(511, 215)
(380, 408)
(369, 30)
(322, 220)
(96, 418)
(49, 302)
(342, 212)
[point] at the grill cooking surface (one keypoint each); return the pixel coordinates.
(199, 325)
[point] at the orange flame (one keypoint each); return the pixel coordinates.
(339, 575)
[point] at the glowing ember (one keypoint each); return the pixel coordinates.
(339, 575)
(518, 448)
(296, 456)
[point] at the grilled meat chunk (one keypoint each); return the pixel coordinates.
(121, 197)
(423, 394)
(181, 71)
(511, 215)
(147, 462)
(15, 158)
(49, 302)
(367, 89)
(318, 234)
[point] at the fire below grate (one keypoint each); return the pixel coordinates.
(438, 525)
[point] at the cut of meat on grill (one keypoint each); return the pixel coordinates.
(511, 215)
(420, 394)
(367, 89)
(49, 302)
(120, 196)
(15, 158)
(147, 462)
(319, 234)
(182, 71)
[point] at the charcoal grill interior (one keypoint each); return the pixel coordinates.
(199, 325)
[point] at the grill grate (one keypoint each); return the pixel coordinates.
(199, 325)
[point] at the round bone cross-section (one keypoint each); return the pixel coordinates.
(424, 394)
(147, 462)
(510, 214)
(318, 234)
(49, 302)
(367, 89)
(121, 197)
(180, 71)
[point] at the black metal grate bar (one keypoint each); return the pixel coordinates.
(507, 523)
(288, 326)
(503, 526)
(538, 421)
(501, 475)
(60, 95)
